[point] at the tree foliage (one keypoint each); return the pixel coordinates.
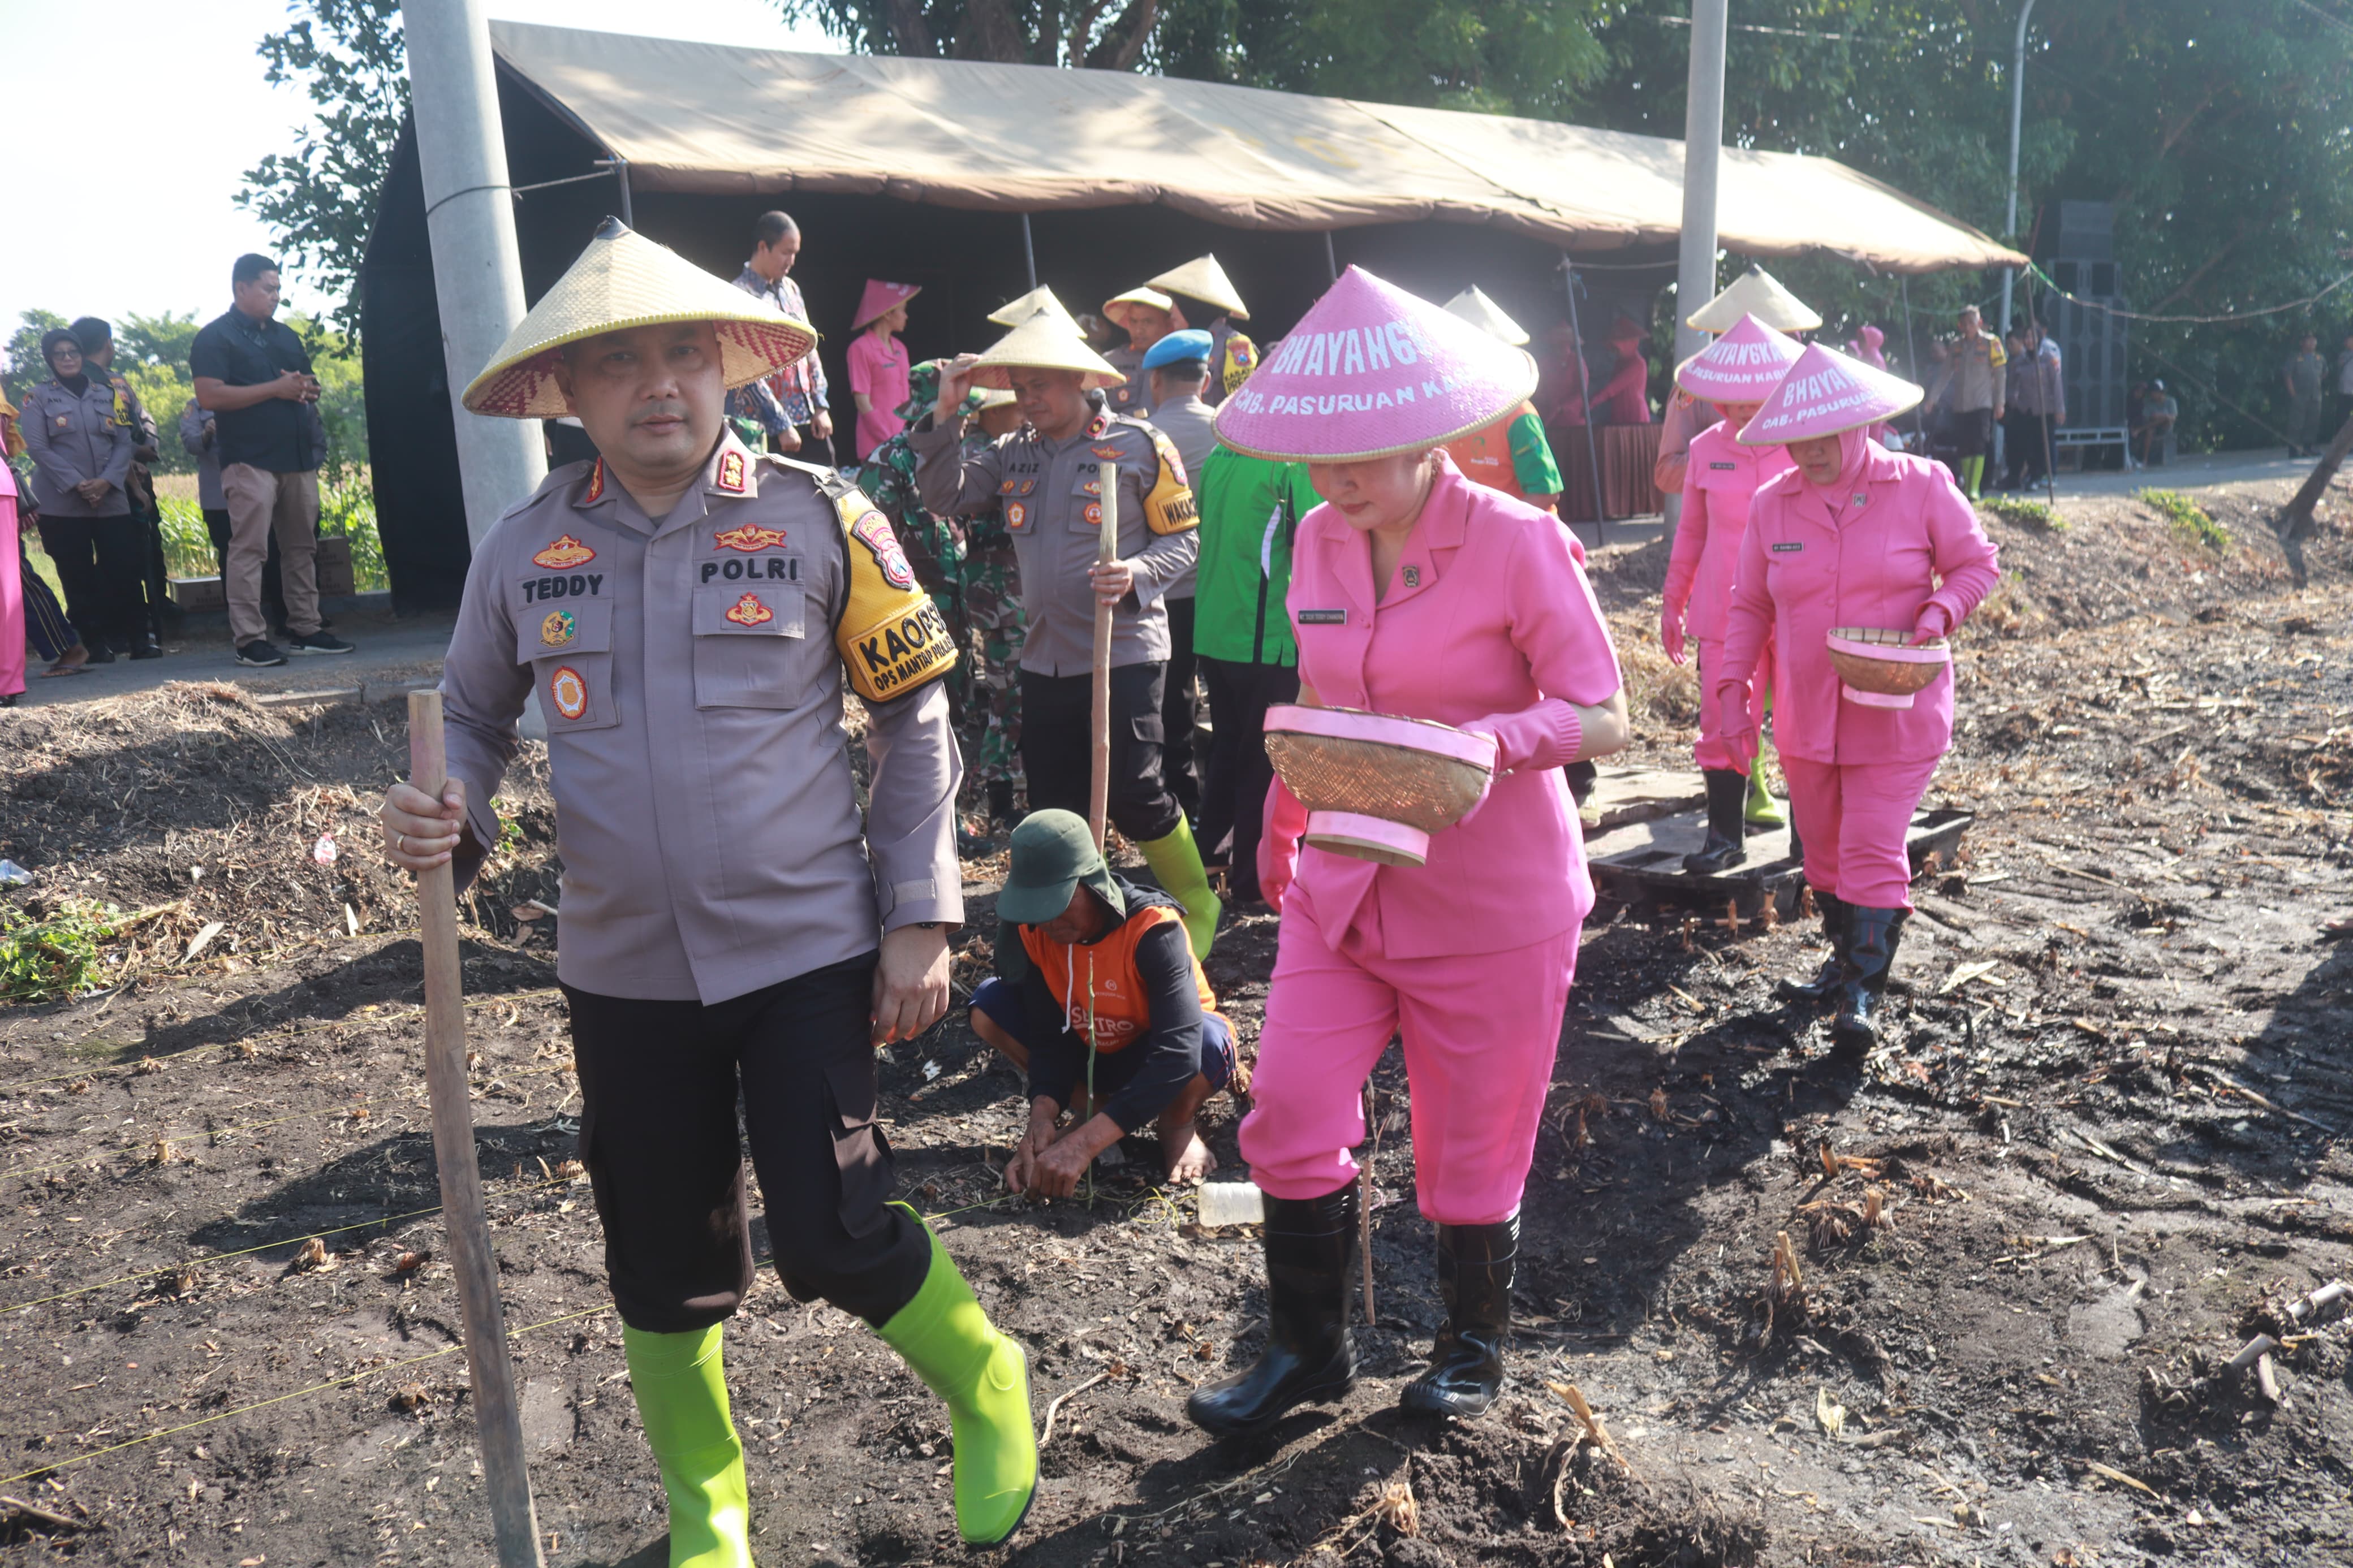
(319, 196)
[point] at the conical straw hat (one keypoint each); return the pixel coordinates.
(1013, 312)
(1754, 293)
(1371, 372)
(1202, 278)
(622, 280)
(1825, 392)
(879, 299)
(1473, 306)
(1741, 366)
(1043, 343)
(1115, 307)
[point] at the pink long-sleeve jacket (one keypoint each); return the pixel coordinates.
(1866, 554)
(1490, 626)
(1723, 477)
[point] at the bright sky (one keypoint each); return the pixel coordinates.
(184, 113)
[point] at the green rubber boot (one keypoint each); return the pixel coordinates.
(680, 1382)
(984, 1377)
(1761, 809)
(1175, 862)
(1972, 475)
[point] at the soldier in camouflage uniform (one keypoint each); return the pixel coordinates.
(966, 565)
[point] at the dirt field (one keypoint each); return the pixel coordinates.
(2097, 1156)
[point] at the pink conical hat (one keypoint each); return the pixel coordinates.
(1825, 392)
(1741, 366)
(879, 298)
(1371, 372)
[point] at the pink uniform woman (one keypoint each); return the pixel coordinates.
(1733, 373)
(1855, 535)
(1415, 593)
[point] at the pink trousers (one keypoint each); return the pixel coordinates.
(1480, 1032)
(1852, 818)
(12, 603)
(1709, 751)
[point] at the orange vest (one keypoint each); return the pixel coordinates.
(1484, 456)
(1102, 977)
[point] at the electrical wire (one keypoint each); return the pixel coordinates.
(2307, 300)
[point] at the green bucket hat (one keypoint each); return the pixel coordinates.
(1053, 854)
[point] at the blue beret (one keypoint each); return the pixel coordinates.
(1190, 345)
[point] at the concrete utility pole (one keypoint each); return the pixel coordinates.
(2017, 113)
(477, 274)
(1703, 154)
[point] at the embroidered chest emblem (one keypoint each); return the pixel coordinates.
(1108, 454)
(1413, 576)
(564, 553)
(558, 629)
(567, 692)
(730, 473)
(1015, 515)
(749, 538)
(748, 611)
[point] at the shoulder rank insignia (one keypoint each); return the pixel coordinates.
(596, 490)
(1097, 425)
(748, 538)
(563, 554)
(730, 473)
(748, 611)
(557, 629)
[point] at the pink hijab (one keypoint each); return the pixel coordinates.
(1866, 346)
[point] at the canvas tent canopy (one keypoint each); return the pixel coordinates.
(716, 119)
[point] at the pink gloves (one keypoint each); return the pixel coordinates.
(1936, 621)
(1671, 631)
(1546, 735)
(1733, 726)
(1278, 845)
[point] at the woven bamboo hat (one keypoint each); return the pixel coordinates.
(1755, 293)
(1045, 344)
(1116, 308)
(1013, 312)
(1824, 393)
(622, 280)
(1202, 278)
(1473, 306)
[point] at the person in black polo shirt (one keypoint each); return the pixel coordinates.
(254, 375)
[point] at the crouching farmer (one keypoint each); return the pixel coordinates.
(1087, 954)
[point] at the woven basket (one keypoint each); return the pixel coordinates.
(1377, 787)
(1880, 669)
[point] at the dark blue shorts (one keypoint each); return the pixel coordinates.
(1001, 1000)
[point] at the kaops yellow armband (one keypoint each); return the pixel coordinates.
(1170, 507)
(890, 636)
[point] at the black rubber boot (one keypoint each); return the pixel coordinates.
(1727, 824)
(1871, 938)
(1310, 1246)
(1823, 986)
(1474, 1279)
(1000, 801)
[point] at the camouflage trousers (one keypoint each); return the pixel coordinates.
(991, 615)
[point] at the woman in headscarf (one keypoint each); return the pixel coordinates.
(1415, 593)
(1854, 535)
(81, 463)
(1732, 373)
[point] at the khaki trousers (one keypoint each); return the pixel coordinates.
(260, 503)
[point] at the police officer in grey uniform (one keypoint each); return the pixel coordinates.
(689, 615)
(1146, 315)
(1047, 477)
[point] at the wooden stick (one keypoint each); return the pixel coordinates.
(1106, 552)
(497, 1419)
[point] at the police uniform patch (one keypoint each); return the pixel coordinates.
(1015, 515)
(1094, 514)
(564, 553)
(1097, 425)
(596, 490)
(1170, 462)
(1109, 454)
(566, 692)
(730, 473)
(557, 629)
(749, 538)
(1413, 576)
(748, 611)
(873, 530)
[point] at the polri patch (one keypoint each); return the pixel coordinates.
(1323, 617)
(558, 628)
(1015, 515)
(749, 538)
(566, 692)
(564, 553)
(873, 530)
(748, 611)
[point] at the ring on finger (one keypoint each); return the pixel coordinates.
(400, 844)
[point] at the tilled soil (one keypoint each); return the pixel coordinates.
(2096, 1155)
